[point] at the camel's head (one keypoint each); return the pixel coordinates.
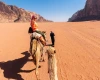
(51, 50)
(44, 32)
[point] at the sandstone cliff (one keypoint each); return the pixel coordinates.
(10, 13)
(91, 11)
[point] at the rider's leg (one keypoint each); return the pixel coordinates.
(41, 34)
(42, 40)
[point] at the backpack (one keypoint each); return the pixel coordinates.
(30, 30)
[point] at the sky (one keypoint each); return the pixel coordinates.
(55, 10)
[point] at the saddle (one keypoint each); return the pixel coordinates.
(30, 30)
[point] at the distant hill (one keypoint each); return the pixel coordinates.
(91, 11)
(10, 13)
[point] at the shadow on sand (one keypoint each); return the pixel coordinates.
(13, 67)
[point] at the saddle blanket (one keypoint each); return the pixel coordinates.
(36, 35)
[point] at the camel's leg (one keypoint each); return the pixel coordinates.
(37, 62)
(42, 55)
(48, 64)
(34, 45)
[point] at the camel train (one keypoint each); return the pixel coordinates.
(37, 55)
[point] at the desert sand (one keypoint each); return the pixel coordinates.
(77, 51)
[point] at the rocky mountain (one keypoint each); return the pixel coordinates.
(91, 11)
(10, 13)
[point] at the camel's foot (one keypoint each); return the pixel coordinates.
(43, 60)
(48, 71)
(37, 75)
(38, 78)
(39, 66)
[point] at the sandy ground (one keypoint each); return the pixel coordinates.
(77, 46)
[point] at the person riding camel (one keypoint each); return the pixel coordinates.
(34, 27)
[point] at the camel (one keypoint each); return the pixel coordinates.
(37, 53)
(52, 63)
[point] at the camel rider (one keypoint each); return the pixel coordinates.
(35, 29)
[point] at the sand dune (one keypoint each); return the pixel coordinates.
(77, 46)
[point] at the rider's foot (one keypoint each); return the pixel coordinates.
(52, 45)
(44, 43)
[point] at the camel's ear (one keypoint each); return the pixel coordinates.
(44, 31)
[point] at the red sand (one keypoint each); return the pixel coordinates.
(77, 47)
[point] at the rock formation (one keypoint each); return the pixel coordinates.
(10, 13)
(91, 11)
